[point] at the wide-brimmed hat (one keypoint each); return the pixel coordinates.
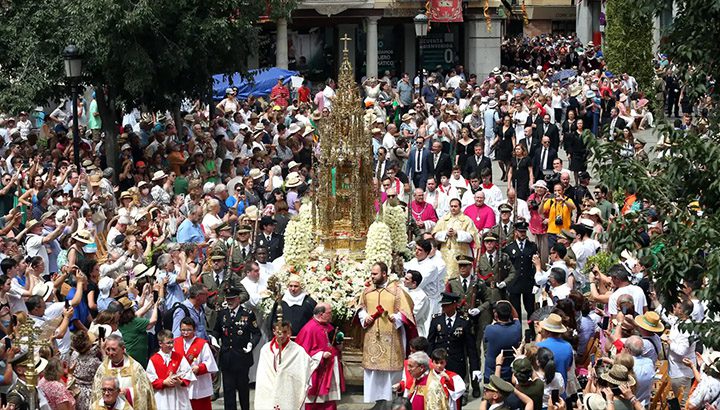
(142, 271)
(308, 130)
(595, 211)
(492, 104)
(293, 180)
(94, 331)
(158, 175)
(567, 234)
(594, 401)
(618, 375)
(126, 195)
(82, 235)
(316, 115)
(31, 224)
(44, 290)
(252, 213)
(540, 183)
(294, 128)
(553, 323)
(125, 303)
(575, 90)
(650, 321)
(255, 173)
(292, 164)
(406, 117)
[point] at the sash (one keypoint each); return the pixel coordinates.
(193, 351)
(162, 370)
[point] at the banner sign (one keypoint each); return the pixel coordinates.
(446, 11)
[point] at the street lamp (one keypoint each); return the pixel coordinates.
(421, 29)
(73, 71)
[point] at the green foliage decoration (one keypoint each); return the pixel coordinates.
(628, 41)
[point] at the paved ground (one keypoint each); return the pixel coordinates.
(353, 399)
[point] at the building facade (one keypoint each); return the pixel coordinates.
(384, 40)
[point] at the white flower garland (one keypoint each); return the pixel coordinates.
(299, 238)
(378, 247)
(395, 218)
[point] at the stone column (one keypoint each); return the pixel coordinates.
(371, 62)
(281, 58)
(583, 21)
(410, 41)
(483, 46)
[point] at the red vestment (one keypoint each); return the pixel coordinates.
(316, 337)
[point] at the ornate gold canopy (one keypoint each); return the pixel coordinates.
(344, 197)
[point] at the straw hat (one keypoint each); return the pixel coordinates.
(293, 180)
(142, 271)
(43, 290)
(595, 211)
(406, 117)
(618, 375)
(158, 175)
(294, 128)
(31, 224)
(308, 130)
(650, 321)
(95, 180)
(292, 164)
(492, 104)
(94, 331)
(553, 323)
(82, 235)
(594, 401)
(252, 213)
(125, 302)
(316, 115)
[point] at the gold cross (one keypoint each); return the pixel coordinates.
(345, 39)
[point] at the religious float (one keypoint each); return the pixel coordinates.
(337, 236)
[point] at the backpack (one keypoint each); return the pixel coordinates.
(167, 318)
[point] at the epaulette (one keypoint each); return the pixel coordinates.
(437, 315)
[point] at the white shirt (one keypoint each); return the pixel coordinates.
(431, 283)
(328, 93)
(53, 311)
(680, 347)
(638, 299)
(36, 247)
(421, 308)
(493, 197)
(389, 141)
(439, 201)
(202, 386)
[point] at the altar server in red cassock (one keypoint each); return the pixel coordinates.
(199, 356)
(170, 375)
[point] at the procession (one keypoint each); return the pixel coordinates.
(360, 231)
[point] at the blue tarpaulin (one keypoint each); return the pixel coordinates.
(261, 84)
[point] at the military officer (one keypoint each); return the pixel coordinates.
(218, 279)
(521, 252)
(496, 391)
(495, 268)
(504, 231)
(474, 301)
(239, 334)
(453, 332)
(243, 249)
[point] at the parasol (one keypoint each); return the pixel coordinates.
(562, 76)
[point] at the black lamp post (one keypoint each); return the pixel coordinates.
(421, 29)
(73, 70)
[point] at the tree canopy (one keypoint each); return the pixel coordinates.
(628, 41)
(151, 52)
(682, 185)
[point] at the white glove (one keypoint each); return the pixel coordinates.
(476, 375)
(501, 285)
(397, 318)
(535, 290)
(474, 312)
(247, 348)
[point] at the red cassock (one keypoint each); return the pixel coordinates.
(315, 337)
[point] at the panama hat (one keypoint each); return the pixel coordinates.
(142, 271)
(650, 321)
(94, 331)
(252, 213)
(553, 323)
(82, 235)
(293, 180)
(44, 290)
(492, 104)
(158, 175)
(618, 375)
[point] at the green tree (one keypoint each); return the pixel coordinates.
(152, 53)
(629, 41)
(682, 185)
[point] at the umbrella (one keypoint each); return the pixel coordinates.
(563, 75)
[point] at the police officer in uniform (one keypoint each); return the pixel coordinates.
(474, 301)
(453, 332)
(239, 335)
(504, 231)
(496, 269)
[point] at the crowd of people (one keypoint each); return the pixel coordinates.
(145, 282)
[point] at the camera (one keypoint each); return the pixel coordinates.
(558, 220)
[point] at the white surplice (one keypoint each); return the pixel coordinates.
(283, 379)
(172, 397)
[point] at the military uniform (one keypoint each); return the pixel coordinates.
(236, 329)
(501, 270)
(457, 339)
(229, 280)
(499, 385)
(498, 231)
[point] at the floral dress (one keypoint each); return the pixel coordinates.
(83, 368)
(56, 393)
